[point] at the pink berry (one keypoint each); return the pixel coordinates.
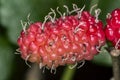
(66, 40)
(112, 29)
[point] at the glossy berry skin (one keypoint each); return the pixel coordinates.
(66, 41)
(112, 29)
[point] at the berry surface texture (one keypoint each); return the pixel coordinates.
(68, 39)
(112, 29)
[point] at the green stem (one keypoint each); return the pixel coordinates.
(68, 74)
(115, 55)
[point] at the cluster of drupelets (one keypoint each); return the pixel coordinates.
(70, 39)
(112, 29)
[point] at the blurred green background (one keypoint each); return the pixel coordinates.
(12, 67)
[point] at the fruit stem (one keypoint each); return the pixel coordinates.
(115, 55)
(68, 73)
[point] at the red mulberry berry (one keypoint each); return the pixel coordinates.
(112, 29)
(66, 40)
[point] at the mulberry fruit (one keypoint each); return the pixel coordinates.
(112, 29)
(60, 41)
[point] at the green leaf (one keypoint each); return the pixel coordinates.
(6, 58)
(103, 58)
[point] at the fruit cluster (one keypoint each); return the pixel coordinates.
(112, 29)
(65, 40)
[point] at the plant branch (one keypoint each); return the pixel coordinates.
(68, 73)
(115, 55)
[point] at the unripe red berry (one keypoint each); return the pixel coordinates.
(112, 29)
(66, 40)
